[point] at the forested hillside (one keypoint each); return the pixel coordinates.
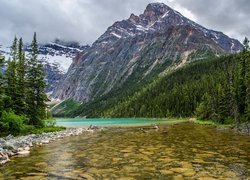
(216, 89)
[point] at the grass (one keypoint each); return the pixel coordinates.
(33, 130)
(206, 122)
(46, 129)
(228, 124)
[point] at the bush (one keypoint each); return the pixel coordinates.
(50, 122)
(11, 122)
(28, 128)
(4, 126)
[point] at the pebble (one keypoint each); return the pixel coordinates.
(11, 146)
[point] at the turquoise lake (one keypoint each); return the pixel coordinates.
(76, 122)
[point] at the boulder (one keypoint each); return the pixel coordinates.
(3, 158)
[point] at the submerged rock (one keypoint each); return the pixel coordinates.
(4, 158)
(10, 145)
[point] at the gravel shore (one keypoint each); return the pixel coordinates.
(11, 146)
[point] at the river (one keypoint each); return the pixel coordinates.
(183, 150)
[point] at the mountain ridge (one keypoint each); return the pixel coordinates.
(56, 56)
(138, 47)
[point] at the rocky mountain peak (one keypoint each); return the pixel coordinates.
(150, 43)
(156, 9)
(134, 19)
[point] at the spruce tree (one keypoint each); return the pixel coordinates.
(242, 77)
(1, 84)
(246, 52)
(21, 88)
(36, 96)
(11, 77)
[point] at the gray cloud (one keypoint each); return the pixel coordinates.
(228, 16)
(86, 20)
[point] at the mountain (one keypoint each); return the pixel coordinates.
(56, 56)
(139, 48)
(176, 94)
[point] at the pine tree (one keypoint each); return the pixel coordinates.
(242, 77)
(1, 84)
(36, 96)
(21, 88)
(246, 52)
(11, 78)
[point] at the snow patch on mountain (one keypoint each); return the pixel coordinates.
(141, 28)
(116, 35)
(61, 61)
(165, 15)
(5, 51)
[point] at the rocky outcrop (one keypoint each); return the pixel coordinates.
(133, 49)
(56, 57)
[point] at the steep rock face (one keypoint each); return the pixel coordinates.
(59, 53)
(56, 57)
(136, 48)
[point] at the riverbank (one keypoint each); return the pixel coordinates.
(176, 151)
(243, 128)
(12, 146)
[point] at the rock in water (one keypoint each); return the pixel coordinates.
(3, 158)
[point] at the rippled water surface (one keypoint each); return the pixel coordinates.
(178, 151)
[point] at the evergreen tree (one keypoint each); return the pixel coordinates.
(11, 77)
(242, 78)
(36, 96)
(21, 86)
(246, 52)
(1, 84)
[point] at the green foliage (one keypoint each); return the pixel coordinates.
(215, 88)
(11, 122)
(36, 110)
(21, 89)
(65, 108)
(50, 122)
(44, 130)
(22, 86)
(177, 94)
(1, 84)
(11, 77)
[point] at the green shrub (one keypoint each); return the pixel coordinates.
(28, 128)
(4, 126)
(50, 123)
(12, 122)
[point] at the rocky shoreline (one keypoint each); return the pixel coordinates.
(11, 146)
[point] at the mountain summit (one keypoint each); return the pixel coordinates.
(158, 17)
(139, 48)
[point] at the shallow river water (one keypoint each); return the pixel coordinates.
(177, 151)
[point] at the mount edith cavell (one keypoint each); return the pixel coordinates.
(133, 52)
(156, 96)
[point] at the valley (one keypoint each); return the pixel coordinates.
(155, 95)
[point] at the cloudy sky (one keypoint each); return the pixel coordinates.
(86, 20)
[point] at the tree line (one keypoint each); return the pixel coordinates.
(22, 89)
(215, 89)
